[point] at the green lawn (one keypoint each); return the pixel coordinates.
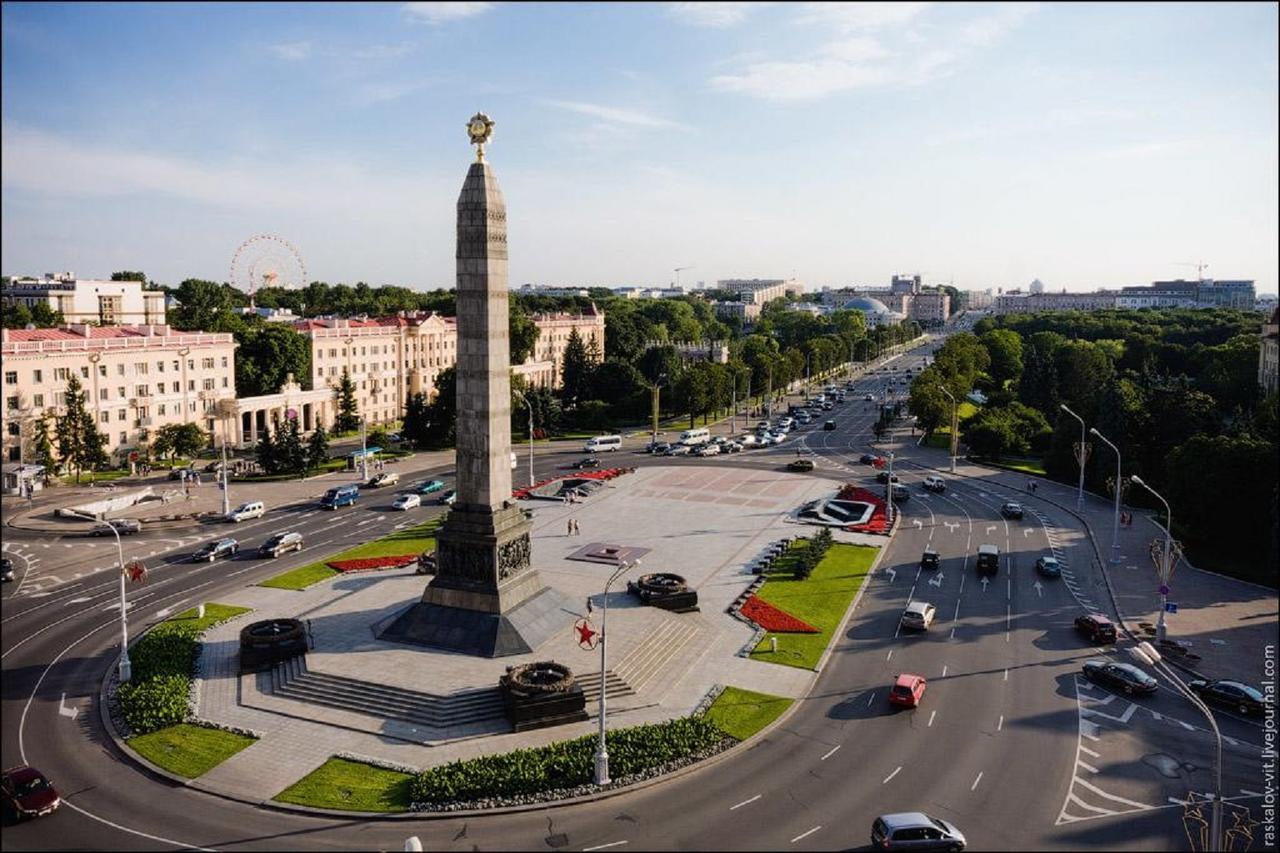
(411, 540)
(350, 786)
(742, 713)
(214, 614)
(188, 750)
(821, 601)
(1028, 465)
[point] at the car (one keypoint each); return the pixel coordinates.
(803, 418)
(868, 458)
(658, 448)
(800, 465)
(907, 690)
(988, 562)
(930, 559)
(588, 462)
(900, 492)
(762, 425)
(827, 406)
(1049, 567)
(748, 441)
(829, 426)
(211, 551)
(733, 446)
(885, 477)
(708, 450)
(868, 398)
(1122, 676)
(1011, 509)
(918, 616)
(385, 478)
(123, 526)
(6, 570)
(430, 486)
(213, 466)
(28, 792)
(915, 831)
(1240, 697)
(678, 450)
(1097, 628)
(406, 502)
(449, 497)
(935, 484)
(280, 543)
(182, 473)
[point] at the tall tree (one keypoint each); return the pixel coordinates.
(200, 302)
(348, 418)
(290, 451)
(80, 445)
(317, 448)
(46, 455)
(185, 440)
(267, 355)
(416, 421)
(522, 331)
(442, 413)
(575, 369)
(265, 452)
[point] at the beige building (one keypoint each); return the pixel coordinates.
(104, 303)
(931, 307)
(136, 379)
(748, 311)
(1026, 303)
(758, 291)
(1269, 355)
(542, 368)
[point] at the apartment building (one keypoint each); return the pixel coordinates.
(748, 312)
(136, 379)
(542, 369)
(758, 291)
(104, 303)
(930, 307)
(1025, 303)
(1269, 355)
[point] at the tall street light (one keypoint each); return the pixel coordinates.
(1115, 522)
(602, 751)
(955, 425)
(1166, 559)
(126, 668)
(662, 377)
(529, 407)
(1082, 456)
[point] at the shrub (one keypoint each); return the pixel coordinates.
(153, 703)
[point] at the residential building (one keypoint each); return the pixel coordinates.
(930, 307)
(1222, 293)
(713, 351)
(136, 379)
(979, 300)
(1269, 355)
(1016, 302)
(80, 300)
(758, 291)
(549, 290)
(749, 312)
(542, 369)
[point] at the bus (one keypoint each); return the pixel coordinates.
(694, 437)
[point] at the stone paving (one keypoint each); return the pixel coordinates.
(705, 523)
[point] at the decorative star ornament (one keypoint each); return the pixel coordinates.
(480, 129)
(588, 636)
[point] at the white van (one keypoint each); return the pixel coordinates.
(602, 443)
(694, 437)
(514, 462)
(253, 509)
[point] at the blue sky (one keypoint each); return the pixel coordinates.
(988, 144)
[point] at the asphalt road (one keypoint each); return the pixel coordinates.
(996, 746)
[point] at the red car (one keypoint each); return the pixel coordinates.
(907, 691)
(28, 793)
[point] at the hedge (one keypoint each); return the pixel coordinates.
(566, 764)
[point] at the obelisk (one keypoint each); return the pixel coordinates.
(484, 599)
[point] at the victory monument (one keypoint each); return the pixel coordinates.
(485, 599)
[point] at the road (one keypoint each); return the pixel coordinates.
(1008, 743)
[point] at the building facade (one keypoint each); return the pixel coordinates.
(136, 379)
(758, 291)
(1269, 355)
(542, 368)
(1027, 303)
(930, 307)
(104, 303)
(748, 312)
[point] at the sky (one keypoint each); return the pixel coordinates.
(983, 145)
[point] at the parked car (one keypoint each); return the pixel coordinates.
(1240, 697)
(1049, 567)
(218, 548)
(883, 477)
(829, 426)
(915, 831)
(935, 484)
(827, 406)
(123, 526)
(657, 448)
(867, 458)
(588, 462)
(748, 441)
(918, 616)
(385, 478)
(1011, 509)
(733, 447)
(430, 486)
(907, 690)
(28, 792)
(406, 502)
(679, 450)
(930, 559)
(800, 465)
(708, 450)
(1122, 676)
(280, 543)
(1096, 628)
(868, 398)
(6, 570)
(449, 497)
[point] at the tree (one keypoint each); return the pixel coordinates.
(317, 448)
(575, 369)
(348, 419)
(267, 355)
(442, 413)
(522, 331)
(291, 454)
(46, 455)
(80, 445)
(16, 316)
(1005, 349)
(200, 302)
(416, 421)
(265, 453)
(184, 440)
(129, 275)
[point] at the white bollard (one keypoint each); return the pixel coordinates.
(412, 843)
(199, 611)
(773, 644)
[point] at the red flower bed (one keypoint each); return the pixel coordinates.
(602, 474)
(368, 563)
(878, 522)
(772, 619)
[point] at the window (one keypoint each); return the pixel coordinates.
(37, 400)
(124, 437)
(191, 364)
(144, 412)
(37, 376)
(177, 365)
(119, 370)
(224, 361)
(60, 398)
(224, 382)
(159, 387)
(122, 415)
(206, 363)
(104, 393)
(15, 428)
(104, 417)
(191, 385)
(161, 410)
(84, 372)
(144, 390)
(11, 377)
(61, 374)
(159, 367)
(102, 370)
(121, 392)
(208, 384)
(140, 368)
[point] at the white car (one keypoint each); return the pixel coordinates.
(748, 441)
(406, 502)
(709, 450)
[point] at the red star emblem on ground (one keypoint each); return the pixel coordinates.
(585, 632)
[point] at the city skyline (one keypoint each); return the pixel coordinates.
(987, 145)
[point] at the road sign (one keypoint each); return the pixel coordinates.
(1164, 589)
(1170, 607)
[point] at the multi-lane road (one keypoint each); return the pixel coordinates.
(1009, 742)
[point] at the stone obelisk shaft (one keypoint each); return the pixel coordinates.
(483, 364)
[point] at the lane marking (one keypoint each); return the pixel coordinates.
(806, 834)
(932, 714)
(1006, 674)
(1088, 767)
(832, 752)
(745, 802)
(605, 846)
(64, 711)
(976, 781)
(1000, 725)
(944, 671)
(890, 776)
(1089, 751)
(871, 698)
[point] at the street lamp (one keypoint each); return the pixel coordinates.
(955, 425)
(889, 487)
(602, 752)
(662, 377)
(126, 668)
(1115, 525)
(1166, 559)
(1081, 457)
(528, 406)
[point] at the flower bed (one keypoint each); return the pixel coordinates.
(878, 522)
(370, 563)
(602, 474)
(774, 620)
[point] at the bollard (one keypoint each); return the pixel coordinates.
(773, 644)
(412, 843)
(199, 611)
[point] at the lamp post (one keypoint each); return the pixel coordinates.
(529, 407)
(182, 359)
(955, 425)
(1166, 559)
(126, 668)
(602, 752)
(662, 377)
(1081, 457)
(889, 487)
(1115, 523)
(364, 452)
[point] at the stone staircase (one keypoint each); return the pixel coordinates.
(640, 668)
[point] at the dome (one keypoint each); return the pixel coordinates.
(867, 304)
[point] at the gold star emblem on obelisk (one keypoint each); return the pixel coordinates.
(480, 128)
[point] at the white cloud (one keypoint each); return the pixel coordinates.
(613, 115)
(292, 51)
(711, 14)
(439, 13)
(853, 17)
(799, 80)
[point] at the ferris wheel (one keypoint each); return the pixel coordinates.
(265, 260)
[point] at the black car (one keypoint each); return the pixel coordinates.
(867, 458)
(1012, 509)
(883, 477)
(656, 447)
(829, 425)
(1122, 676)
(6, 570)
(589, 462)
(1049, 567)
(800, 465)
(218, 548)
(1240, 697)
(929, 559)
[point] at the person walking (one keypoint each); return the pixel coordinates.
(568, 527)
(577, 531)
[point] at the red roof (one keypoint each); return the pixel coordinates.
(63, 334)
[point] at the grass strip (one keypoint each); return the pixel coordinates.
(821, 600)
(189, 750)
(411, 540)
(350, 786)
(741, 713)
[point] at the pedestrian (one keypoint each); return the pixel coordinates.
(576, 531)
(568, 527)
(1034, 486)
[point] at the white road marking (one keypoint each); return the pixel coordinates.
(605, 846)
(830, 753)
(1089, 751)
(890, 655)
(80, 600)
(944, 670)
(1000, 724)
(1249, 793)
(1088, 767)
(805, 834)
(932, 714)
(745, 802)
(1006, 674)
(890, 776)
(64, 711)
(871, 698)
(1101, 793)
(976, 781)
(953, 634)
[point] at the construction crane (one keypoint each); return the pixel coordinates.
(1200, 268)
(678, 271)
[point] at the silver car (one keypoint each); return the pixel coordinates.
(915, 831)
